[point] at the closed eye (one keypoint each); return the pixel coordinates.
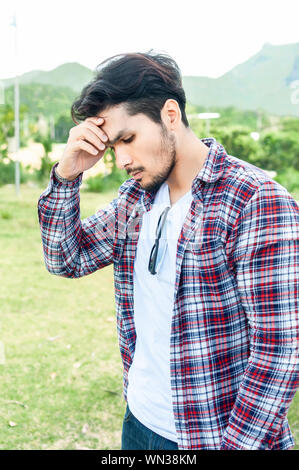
(127, 141)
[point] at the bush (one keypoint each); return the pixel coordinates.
(4, 214)
(62, 128)
(7, 172)
(110, 182)
(289, 179)
(238, 142)
(101, 184)
(42, 175)
(281, 150)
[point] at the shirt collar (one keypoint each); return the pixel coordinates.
(214, 164)
(211, 171)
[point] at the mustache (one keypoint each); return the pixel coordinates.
(135, 170)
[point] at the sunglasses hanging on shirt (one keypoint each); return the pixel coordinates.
(155, 249)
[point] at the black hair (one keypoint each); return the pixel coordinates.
(142, 82)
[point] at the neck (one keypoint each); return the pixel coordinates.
(191, 154)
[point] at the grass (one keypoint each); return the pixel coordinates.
(61, 381)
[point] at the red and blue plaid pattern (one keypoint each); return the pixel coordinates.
(234, 332)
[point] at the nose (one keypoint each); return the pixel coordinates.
(122, 158)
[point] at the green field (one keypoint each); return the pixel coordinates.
(61, 377)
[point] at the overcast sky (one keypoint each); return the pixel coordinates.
(204, 37)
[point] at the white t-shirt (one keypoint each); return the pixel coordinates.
(149, 390)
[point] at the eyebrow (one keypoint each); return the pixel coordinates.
(118, 137)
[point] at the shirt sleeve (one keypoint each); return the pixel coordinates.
(73, 247)
(266, 259)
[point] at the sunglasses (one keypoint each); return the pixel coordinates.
(155, 249)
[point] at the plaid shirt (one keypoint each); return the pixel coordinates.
(234, 331)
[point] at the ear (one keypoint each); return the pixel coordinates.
(171, 114)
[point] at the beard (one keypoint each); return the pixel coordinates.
(167, 147)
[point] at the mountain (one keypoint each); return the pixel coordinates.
(71, 75)
(263, 81)
(43, 99)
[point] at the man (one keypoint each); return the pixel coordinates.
(205, 254)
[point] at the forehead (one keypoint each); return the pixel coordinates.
(116, 125)
(117, 119)
(114, 113)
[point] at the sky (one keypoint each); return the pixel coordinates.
(206, 38)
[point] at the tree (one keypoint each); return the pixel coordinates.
(62, 127)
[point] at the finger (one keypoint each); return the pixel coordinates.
(94, 118)
(97, 130)
(87, 147)
(91, 137)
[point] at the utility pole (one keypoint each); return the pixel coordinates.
(17, 109)
(52, 127)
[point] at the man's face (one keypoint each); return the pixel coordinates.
(144, 146)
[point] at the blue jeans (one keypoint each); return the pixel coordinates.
(136, 436)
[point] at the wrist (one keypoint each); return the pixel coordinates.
(62, 177)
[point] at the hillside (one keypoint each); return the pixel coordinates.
(262, 82)
(42, 99)
(71, 75)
